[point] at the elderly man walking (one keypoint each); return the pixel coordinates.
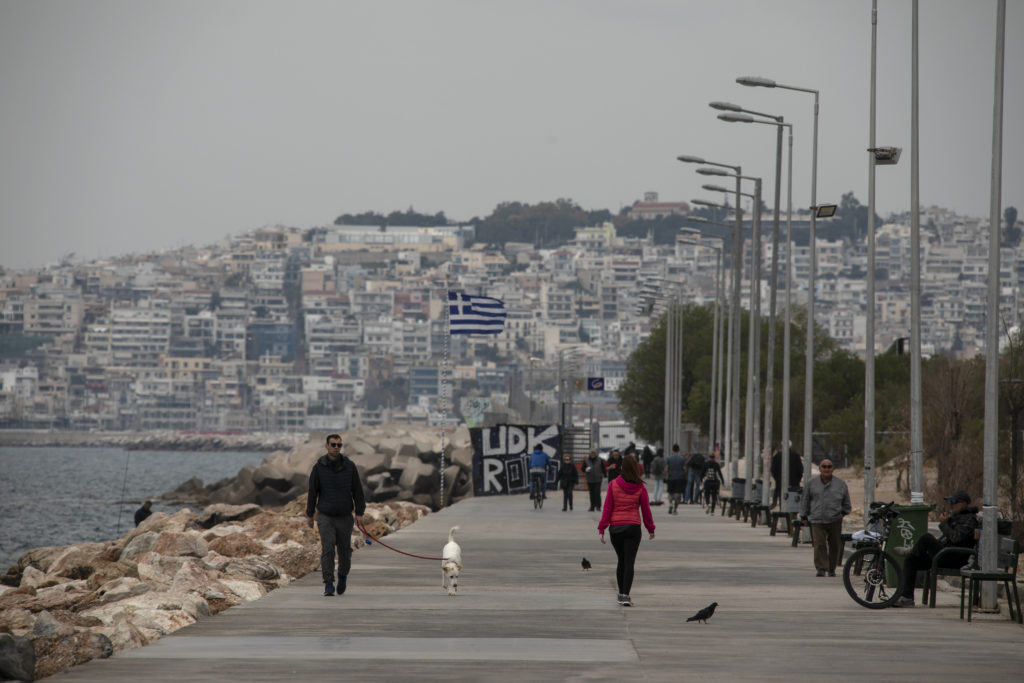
(825, 501)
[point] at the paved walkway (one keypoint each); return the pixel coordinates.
(526, 611)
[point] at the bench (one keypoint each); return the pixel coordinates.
(931, 576)
(726, 501)
(756, 510)
(777, 515)
(1005, 573)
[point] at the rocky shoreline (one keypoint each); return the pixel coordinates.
(64, 605)
(154, 440)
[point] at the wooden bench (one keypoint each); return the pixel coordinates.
(725, 501)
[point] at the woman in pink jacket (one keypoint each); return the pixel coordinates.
(625, 501)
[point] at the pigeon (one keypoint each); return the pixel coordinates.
(585, 564)
(704, 614)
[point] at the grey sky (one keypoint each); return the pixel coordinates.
(131, 125)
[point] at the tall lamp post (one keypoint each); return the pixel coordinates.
(736, 114)
(733, 427)
(693, 236)
(756, 81)
(751, 430)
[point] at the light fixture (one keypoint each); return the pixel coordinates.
(756, 81)
(705, 170)
(726, 106)
(824, 210)
(685, 158)
(736, 118)
(704, 202)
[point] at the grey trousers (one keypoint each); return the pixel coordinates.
(335, 533)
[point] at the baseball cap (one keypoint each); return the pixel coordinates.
(959, 497)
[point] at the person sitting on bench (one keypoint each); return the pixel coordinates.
(957, 527)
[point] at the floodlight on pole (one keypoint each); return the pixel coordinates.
(715, 188)
(687, 159)
(705, 170)
(824, 210)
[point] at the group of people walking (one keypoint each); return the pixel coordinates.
(336, 503)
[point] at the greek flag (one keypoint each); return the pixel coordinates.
(475, 314)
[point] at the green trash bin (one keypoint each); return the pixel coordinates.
(905, 530)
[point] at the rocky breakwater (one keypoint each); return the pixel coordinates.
(396, 463)
(62, 606)
(156, 440)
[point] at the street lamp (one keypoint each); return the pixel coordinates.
(732, 417)
(693, 236)
(737, 114)
(757, 81)
(751, 429)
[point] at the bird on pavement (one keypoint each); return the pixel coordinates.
(704, 614)
(585, 564)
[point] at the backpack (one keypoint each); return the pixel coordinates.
(697, 462)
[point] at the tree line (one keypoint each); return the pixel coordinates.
(953, 403)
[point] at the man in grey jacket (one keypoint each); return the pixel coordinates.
(825, 501)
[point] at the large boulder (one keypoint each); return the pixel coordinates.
(17, 658)
(221, 513)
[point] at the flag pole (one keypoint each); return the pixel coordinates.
(444, 390)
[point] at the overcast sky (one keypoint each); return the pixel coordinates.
(135, 125)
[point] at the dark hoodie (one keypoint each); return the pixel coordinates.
(335, 488)
(959, 528)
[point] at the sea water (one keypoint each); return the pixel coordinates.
(59, 496)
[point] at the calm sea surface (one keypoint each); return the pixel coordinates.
(59, 496)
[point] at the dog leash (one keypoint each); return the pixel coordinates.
(402, 552)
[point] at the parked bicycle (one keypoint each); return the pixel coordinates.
(871, 575)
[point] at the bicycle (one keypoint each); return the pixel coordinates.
(537, 492)
(867, 569)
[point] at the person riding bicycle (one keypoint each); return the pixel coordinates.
(539, 466)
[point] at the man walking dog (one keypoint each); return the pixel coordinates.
(335, 493)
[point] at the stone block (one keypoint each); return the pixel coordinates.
(17, 658)
(418, 477)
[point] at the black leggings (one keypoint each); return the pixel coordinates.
(626, 544)
(567, 497)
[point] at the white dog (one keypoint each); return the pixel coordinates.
(451, 563)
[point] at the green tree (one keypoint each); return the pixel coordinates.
(1011, 236)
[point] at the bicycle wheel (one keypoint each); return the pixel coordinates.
(865, 574)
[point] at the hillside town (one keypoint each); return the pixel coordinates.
(288, 330)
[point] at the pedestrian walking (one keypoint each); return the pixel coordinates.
(675, 467)
(335, 502)
(593, 472)
(624, 505)
(568, 477)
(825, 501)
(658, 472)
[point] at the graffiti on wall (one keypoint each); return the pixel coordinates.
(501, 456)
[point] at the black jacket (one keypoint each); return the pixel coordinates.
(334, 488)
(568, 476)
(959, 528)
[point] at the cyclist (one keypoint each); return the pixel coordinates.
(539, 466)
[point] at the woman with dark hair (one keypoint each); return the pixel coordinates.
(624, 504)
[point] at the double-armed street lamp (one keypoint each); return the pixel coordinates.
(757, 81)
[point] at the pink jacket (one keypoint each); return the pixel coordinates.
(623, 504)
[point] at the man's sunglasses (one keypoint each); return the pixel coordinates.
(334, 444)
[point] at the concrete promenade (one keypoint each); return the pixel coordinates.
(526, 611)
